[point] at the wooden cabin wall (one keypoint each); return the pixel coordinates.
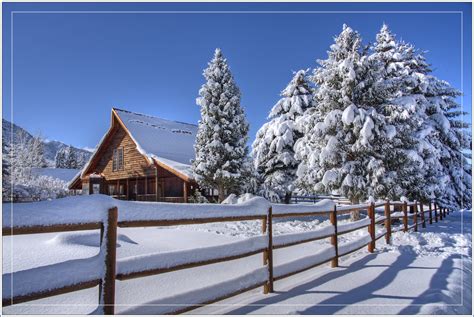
(135, 165)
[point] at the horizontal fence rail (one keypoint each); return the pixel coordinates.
(381, 215)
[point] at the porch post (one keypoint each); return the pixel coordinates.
(146, 187)
(185, 191)
(128, 189)
(156, 183)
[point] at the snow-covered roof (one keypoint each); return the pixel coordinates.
(168, 142)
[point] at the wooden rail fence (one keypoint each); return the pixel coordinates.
(108, 244)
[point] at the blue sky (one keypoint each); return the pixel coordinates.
(71, 69)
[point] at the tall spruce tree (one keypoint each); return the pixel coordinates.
(272, 150)
(387, 88)
(60, 158)
(220, 146)
(335, 151)
(453, 143)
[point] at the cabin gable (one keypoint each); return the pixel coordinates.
(134, 163)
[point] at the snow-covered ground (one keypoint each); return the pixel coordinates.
(64, 174)
(426, 273)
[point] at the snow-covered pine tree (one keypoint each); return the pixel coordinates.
(388, 89)
(36, 155)
(272, 150)
(436, 167)
(70, 158)
(335, 150)
(82, 159)
(220, 146)
(20, 159)
(453, 141)
(60, 158)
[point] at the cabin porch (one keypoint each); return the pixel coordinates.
(147, 188)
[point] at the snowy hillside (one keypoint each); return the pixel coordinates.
(50, 147)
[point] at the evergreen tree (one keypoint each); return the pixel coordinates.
(222, 133)
(36, 152)
(273, 152)
(335, 150)
(388, 89)
(60, 158)
(70, 158)
(453, 142)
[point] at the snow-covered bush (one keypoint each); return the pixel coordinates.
(20, 183)
(197, 198)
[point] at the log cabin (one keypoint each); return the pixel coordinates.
(141, 158)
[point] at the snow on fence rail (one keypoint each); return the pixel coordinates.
(106, 214)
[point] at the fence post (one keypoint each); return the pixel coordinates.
(388, 223)
(107, 287)
(268, 254)
(333, 219)
(371, 212)
(423, 221)
(405, 217)
(415, 215)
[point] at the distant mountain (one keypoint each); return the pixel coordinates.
(50, 147)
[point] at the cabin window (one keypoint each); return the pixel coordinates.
(117, 160)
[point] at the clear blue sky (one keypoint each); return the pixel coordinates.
(71, 69)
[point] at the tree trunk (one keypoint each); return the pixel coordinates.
(355, 215)
(220, 189)
(287, 197)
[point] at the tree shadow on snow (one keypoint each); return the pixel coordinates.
(340, 299)
(440, 292)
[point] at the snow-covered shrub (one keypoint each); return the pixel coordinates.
(21, 184)
(37, 188)
(198, 198)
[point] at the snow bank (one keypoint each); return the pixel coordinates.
(69, 210)
(170, 259)
(324, 205)
(202, 295)
(305, 262)
(399, 214)
(353, 245)
(289, 238)
(142, 211)
(352, 225)
(52, 276)
(350, 207)
(380, 233)
(93, 208)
